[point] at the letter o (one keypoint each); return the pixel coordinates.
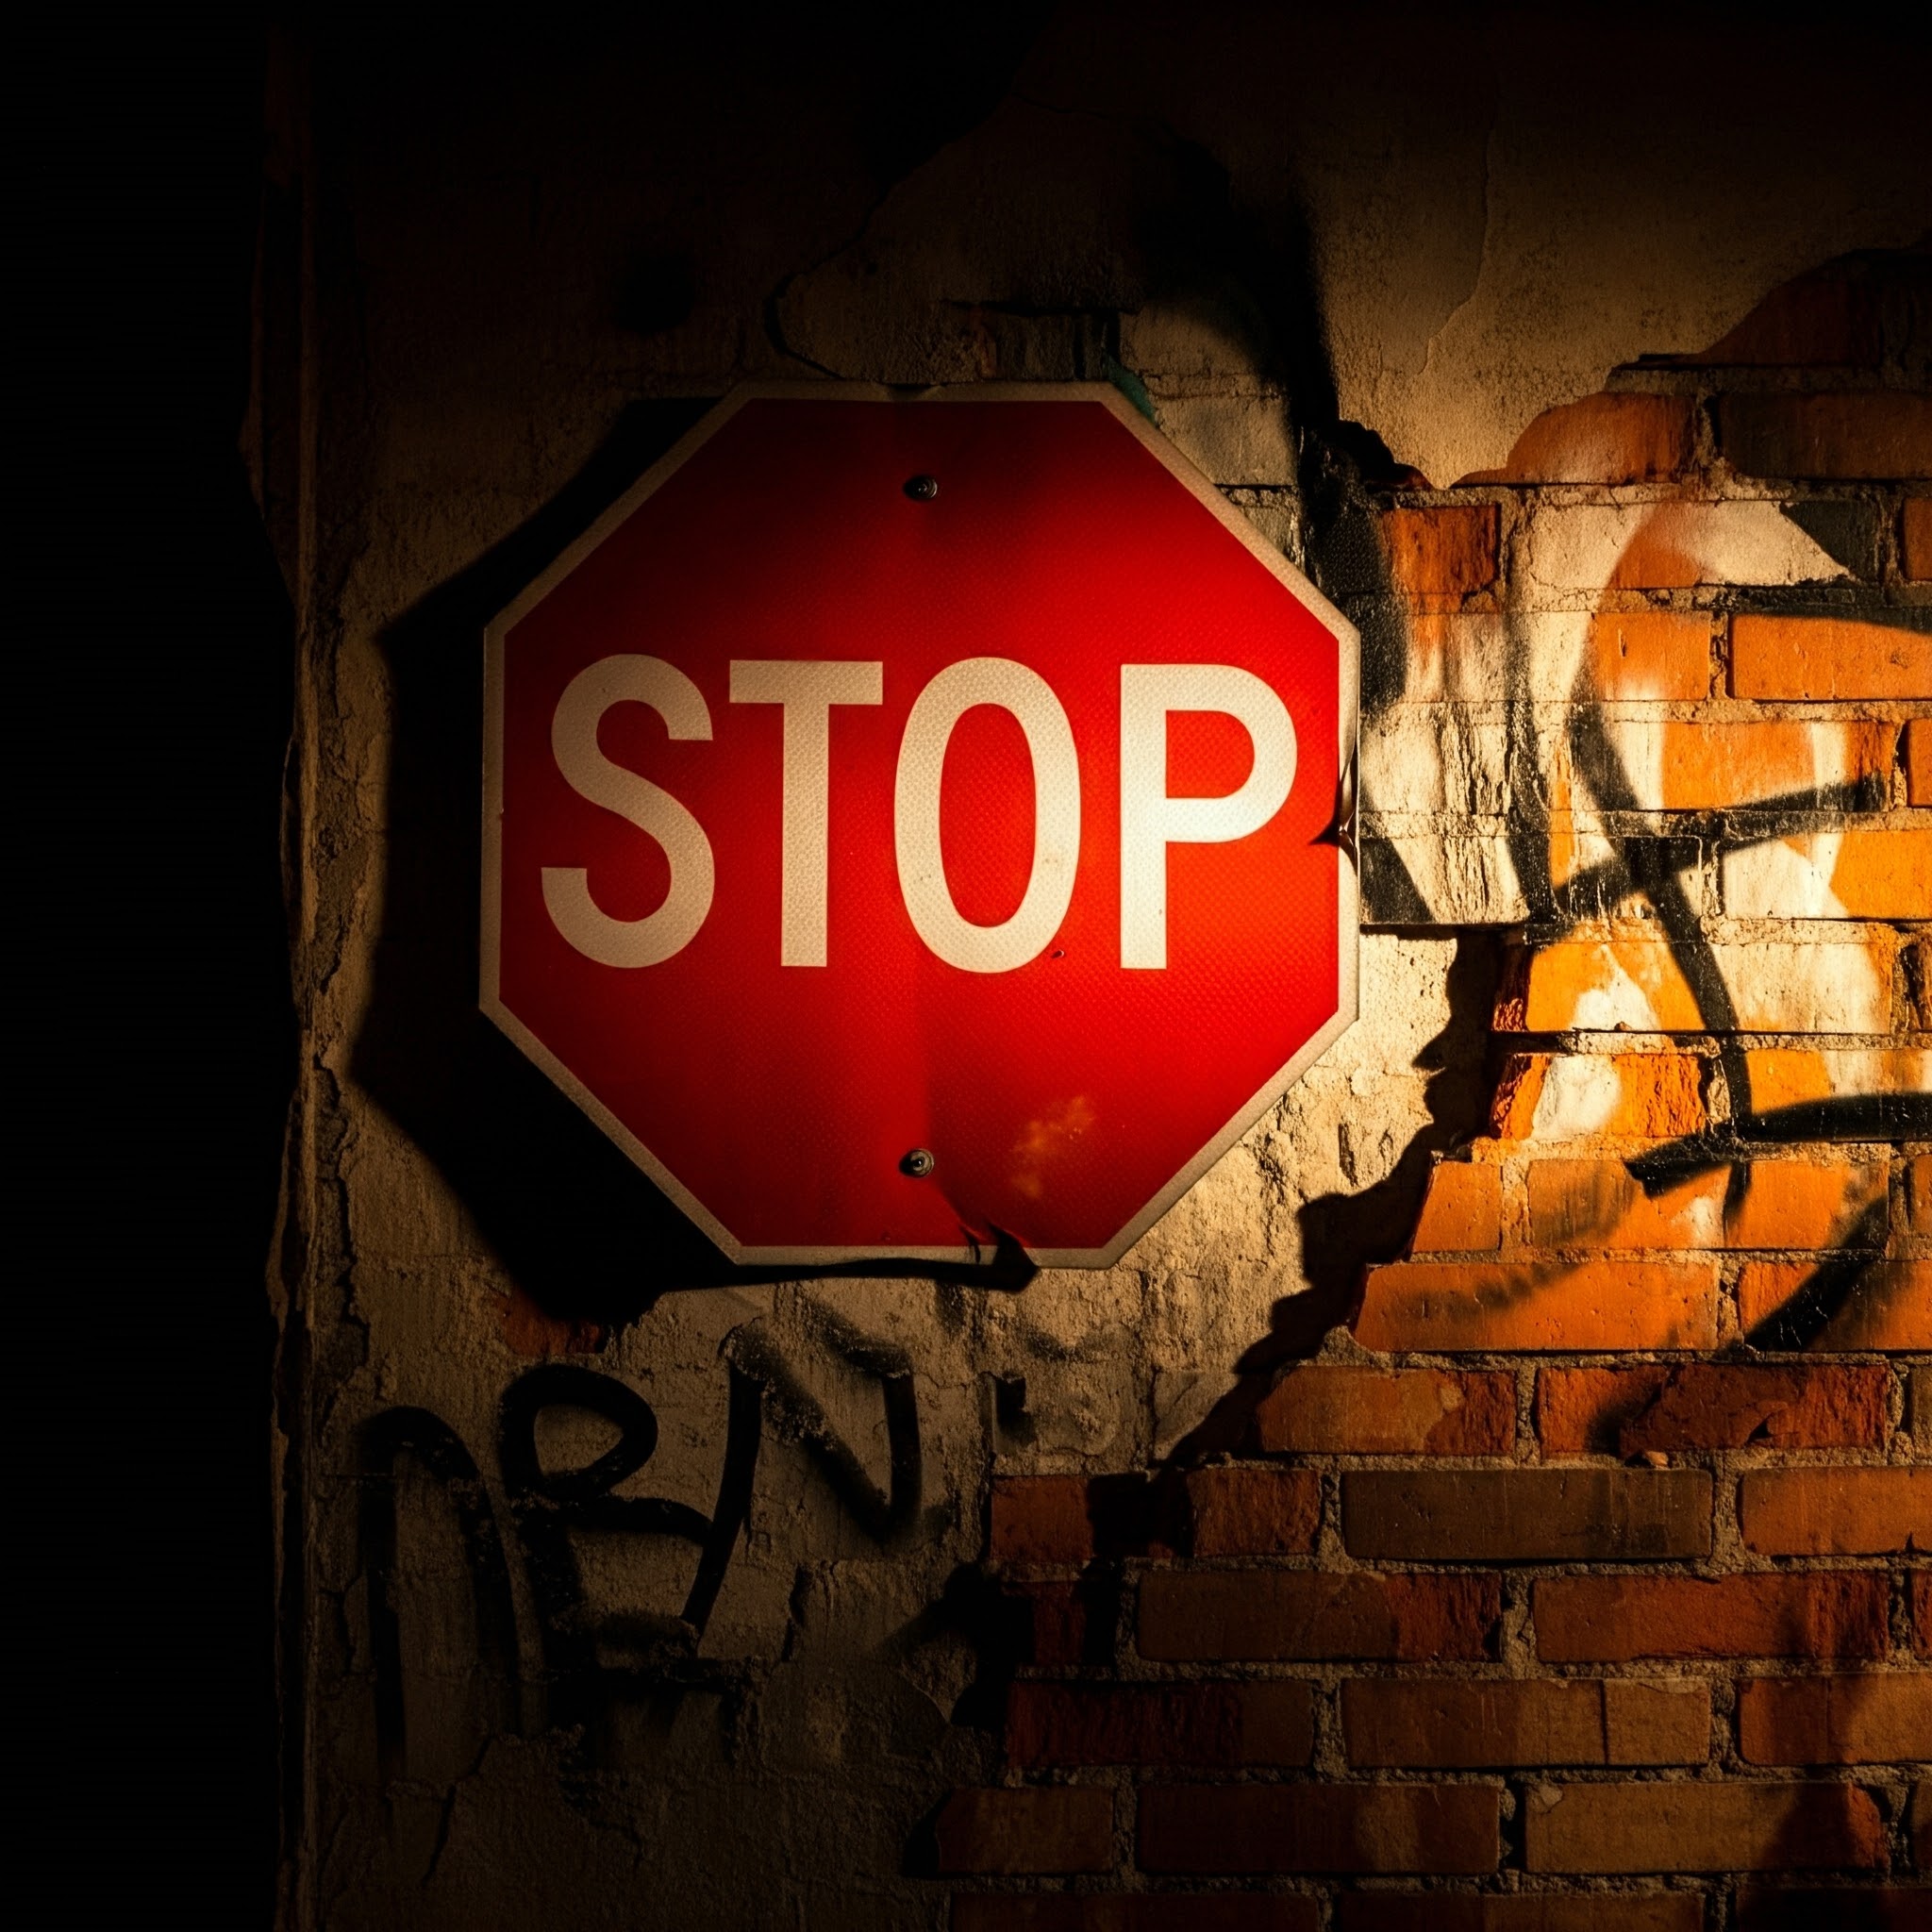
(1030, 700)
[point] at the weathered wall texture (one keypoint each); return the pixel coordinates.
(1496, 1498)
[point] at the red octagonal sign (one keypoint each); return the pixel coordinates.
(912, 823)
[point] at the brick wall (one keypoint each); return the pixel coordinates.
(1580, 1577)
(1233, 1585)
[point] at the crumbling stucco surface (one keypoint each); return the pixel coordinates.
(498, 281)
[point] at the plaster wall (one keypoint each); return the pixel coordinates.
(1345, 259)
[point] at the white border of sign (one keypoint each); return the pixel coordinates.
(1348, 892)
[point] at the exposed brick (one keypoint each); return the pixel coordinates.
(1791, 1305)
(1650, 655)
(1699, 1827)
(1462, 1210)
(1830, 433)
(1445, 1828)
(1654, 1407)
(1229, 440)
(1446, 1724)
(1798, 1909)
(1785, 1204)
(1669, 545)
(1522, 1515)
(1675, 765)
(1159, 1724)
(1328, 1410)
(1837, 1512)
(1135, 1911)
(1252, 1512)
(1830, 315)
(1539, 1305)
(1634, 983)
(1040, 1830)
(1915, 957)
(1601, 439)
(1919, 1193)
(1788, 1076)
(1067, 1624)
(1828, 658)
(1915, 539)
(1800, 1203)
(1534, 1911)
(1874, 1718)
(1254, 1616)
(1437, 558)
(1861, 872)
(1918, 1591)
(1057, 1521)
(1649, 1097)
(1917, 758)
(1619, 1618)
(1044, 1518)
(1477, 655)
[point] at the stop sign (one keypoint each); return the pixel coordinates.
(912, 823)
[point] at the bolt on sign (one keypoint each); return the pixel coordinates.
(912, 826)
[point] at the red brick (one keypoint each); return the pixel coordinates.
(1448, 1723)
(1463, 1209)
(1041, 1518)
(1219, 1724)
(1252, 1512)
(1069, 1622)
(1915, 957)
(1918, 756)
(1630, 980)
(1535, 1911)
(1828, 658)
(1136, 1911)
(1837, 1512)
(1703, 766)
(1700, 1826)
(1437, 558)
(1871, 871)
(1795, 1909)
(1888, 1307)
(1066, 1519)
(1601, 439)
(1650, 655)
(1225, 1616)
(1874, 1718)
(1546, 1304)
(1830, 433)
(1328, 1410)
(1523, 1515)
(1831, 315)
(1445, 1828)
(1915, 539)
(1617, 1619)
(1787, 1204)
(1919, 1594)
(1651, 1096)
(1036, 1830)
(1919, 1193)
(1656, 1407)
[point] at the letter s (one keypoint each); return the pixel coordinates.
(659, 935)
